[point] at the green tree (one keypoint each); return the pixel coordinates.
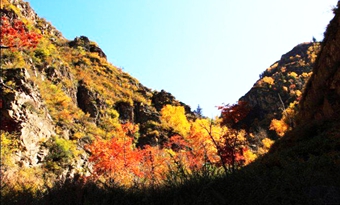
(198, 111)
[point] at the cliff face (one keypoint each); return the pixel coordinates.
(318, 119)
(58, 96)
(321, 100)
(280, 86)
(311, 149)
(24, 112)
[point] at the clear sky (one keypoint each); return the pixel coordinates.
(205, 52)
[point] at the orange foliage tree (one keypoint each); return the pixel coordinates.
(286, 122)
(116, 158)
(154, 165)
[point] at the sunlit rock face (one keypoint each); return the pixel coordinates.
(24, 112)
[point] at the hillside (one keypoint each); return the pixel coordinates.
(62, 93)
(280, 87)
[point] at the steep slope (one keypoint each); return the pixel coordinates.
(280, 87)
(319, 107)
(56, 97)
(321, 99)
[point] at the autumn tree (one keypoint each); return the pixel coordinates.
(219, 145)
(233, 114)
(15, 35)
(234, 144)
(266, 143)
(202, 134)
(154, 165)
(281, 126)
(178, 150)
(116, 158)
(230, 149)
(173, 117)
(197, 147)
(117, 161)
(268, 80)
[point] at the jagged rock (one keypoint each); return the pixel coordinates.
(160, 99)
(58, 75)
(146, 92)
(149, 119)
(24, 108)
(125, 110)
(87, 101)
(85, 43)
(144, 113)
(25, 9)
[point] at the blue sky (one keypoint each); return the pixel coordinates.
(205, 52)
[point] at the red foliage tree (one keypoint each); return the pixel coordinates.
(15, 35)
(233, 114)
(232, 148)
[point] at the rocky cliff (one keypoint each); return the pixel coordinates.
(321, 101)
(24, 112)
(318, 119)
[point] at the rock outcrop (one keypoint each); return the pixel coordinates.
(85, 43)
(87, 101)
(24, 113)
(321, 100)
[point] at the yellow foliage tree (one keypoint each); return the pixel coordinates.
(268, 80)
(293, 74)
(279, 126)
(249, 156)
(217, 144)
(201, 134)
(266, 144)
(174, 117)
